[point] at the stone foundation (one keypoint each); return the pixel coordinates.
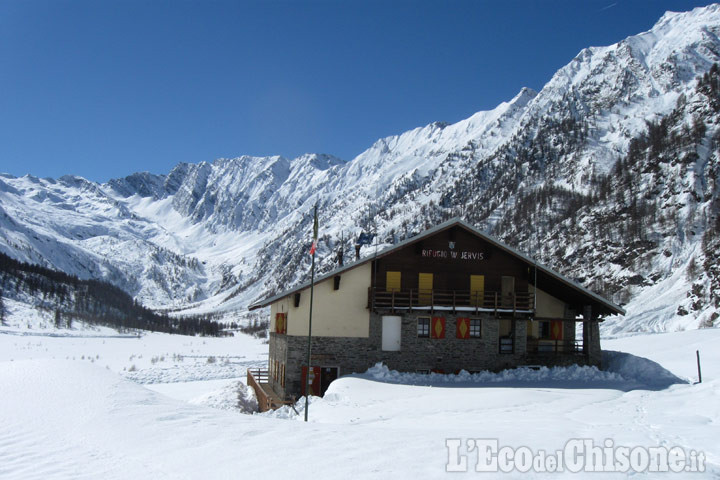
(448, 355)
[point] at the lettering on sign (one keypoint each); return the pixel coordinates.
(453, 255)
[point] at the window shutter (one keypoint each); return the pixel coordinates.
(437, 327)
(556, 330)
(463, 328)
(281, 323)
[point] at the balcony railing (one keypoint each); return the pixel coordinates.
(259, 380)
(551, 347)
(455, 300)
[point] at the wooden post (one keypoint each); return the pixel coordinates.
(697, 353)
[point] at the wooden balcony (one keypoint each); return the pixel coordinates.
(451, 300)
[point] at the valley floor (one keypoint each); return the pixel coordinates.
(113, 407)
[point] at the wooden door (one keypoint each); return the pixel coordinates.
(508, 290)
(425, 286)
(477, 290)
(392, 281)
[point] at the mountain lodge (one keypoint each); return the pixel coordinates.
(450, 298)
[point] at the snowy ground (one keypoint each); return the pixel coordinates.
(120, 407)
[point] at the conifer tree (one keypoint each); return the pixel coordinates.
(2, 309)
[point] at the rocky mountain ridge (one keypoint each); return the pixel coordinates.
(213, 237)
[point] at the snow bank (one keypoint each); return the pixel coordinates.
(235, 397)
(295, 412)
(639, 369)
(623, 369)
(574, 373)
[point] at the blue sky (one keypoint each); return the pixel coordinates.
(102, 89)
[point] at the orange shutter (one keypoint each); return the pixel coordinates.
(556, 330)
(314, 381)
(437, 327)
(463, 328)
(281, 323)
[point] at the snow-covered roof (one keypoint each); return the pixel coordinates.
(430, 232)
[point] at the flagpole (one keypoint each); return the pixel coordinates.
(312, 287)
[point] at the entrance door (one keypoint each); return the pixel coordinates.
(392, 281)
(320, 379)
(328, 375)
(425, 286)
(508, 290)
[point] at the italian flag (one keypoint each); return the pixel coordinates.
(315, 233)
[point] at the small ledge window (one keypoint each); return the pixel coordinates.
(423, 327)
(475, 328)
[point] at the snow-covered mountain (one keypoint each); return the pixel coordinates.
(215, 236)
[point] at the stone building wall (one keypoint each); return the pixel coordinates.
(449, 354)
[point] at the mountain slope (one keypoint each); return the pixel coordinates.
(216, 236)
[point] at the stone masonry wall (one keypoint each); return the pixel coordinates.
(449, 354)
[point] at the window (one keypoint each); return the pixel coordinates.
(475, 328)
(468, 327)
(544, 329)
(423, 327)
